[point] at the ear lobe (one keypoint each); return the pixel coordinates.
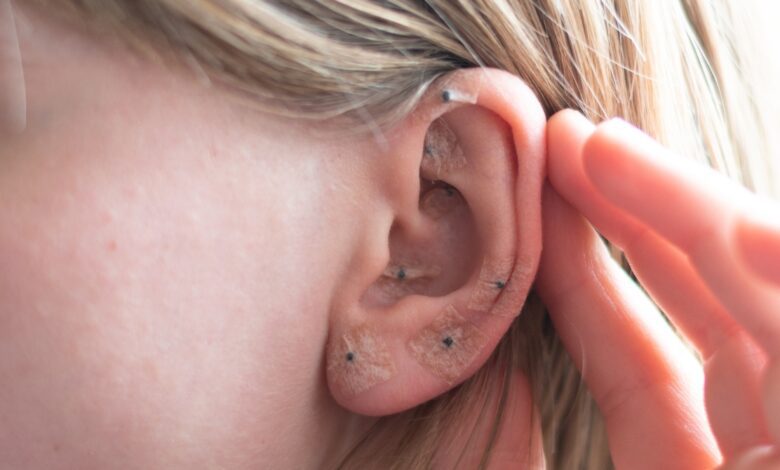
(464, 189)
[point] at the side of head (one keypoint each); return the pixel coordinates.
(273, 224)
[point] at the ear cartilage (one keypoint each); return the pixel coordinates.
(441, 150)
(359, 360)
(450, 95)
(493, 278)
(439, 202)
(448, 345)
(410, 272)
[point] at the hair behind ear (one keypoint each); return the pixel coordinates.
(530, 346)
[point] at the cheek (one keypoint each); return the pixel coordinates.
(139, 301)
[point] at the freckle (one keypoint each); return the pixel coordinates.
(111, 245)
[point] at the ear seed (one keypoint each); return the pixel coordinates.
(448, 345)
(449, 95)
(410, 271)
(493, 279)
(442, 152)
(359, 360)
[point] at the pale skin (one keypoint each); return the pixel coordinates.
(173, 263)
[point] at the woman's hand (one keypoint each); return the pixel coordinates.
(708, 253)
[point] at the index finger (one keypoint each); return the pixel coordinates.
(691, 206)
(647, 385)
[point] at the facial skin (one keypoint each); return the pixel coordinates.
(167, 259)
(177, 266)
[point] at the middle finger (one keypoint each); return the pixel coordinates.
(691, 207)
(733, 362)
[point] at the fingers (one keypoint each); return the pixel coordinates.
(681, 200)
(641, 177)
(758, 458)
(646, 384)
(733, 395)
(772, 400)
(663, 269)
(736, 363)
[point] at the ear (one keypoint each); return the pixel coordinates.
(448, 263)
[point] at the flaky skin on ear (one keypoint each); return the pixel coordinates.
(451, 245)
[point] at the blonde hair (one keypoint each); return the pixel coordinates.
(678, 69)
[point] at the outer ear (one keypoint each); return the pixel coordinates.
(449, 259)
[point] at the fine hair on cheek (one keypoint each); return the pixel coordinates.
(359, 360)
(493, 278)
(448, 345)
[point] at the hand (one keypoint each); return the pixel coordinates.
(708, 253)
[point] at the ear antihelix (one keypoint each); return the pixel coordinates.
(359, 360)
(493, 279)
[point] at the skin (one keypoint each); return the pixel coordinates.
(176, 261)
(160, 236)
(156, 240)
(706, 255)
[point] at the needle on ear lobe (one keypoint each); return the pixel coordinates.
(448, 345)
(359, 360)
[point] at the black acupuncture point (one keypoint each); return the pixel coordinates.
(401, 273)
(500, 284)
(350, 356)
(446, 96)
(448, 342)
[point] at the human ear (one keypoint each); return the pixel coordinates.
(449, 254)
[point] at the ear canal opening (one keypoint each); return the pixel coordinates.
(441, 259)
